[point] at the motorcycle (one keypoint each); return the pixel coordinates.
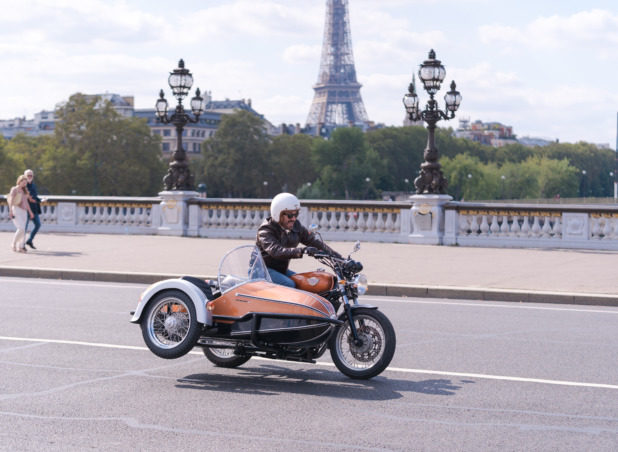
(244, 314)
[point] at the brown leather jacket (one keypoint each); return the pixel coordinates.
(278, 246)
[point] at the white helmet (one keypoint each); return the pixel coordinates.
(281, 202)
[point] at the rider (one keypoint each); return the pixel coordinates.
(279, 235)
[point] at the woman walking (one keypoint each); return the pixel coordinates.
(19, 209)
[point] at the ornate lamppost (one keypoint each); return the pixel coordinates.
(178, 175)
(432, 73)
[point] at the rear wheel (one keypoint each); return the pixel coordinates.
(169, 324)
(372, 353)
(224, 357)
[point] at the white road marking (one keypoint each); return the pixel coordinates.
(69, 282)
(320, 363)
(484, 304)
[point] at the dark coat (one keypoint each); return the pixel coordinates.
(34, 206)
(278, 246)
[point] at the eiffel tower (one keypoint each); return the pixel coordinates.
(337, 100)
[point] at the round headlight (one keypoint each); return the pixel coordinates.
(361, 284)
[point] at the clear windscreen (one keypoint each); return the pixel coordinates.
(242, 264)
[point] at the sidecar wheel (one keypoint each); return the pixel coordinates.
(169, 325)
(373, 355)
(224, 357)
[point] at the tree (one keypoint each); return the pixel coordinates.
(102, 153)
(289, 160)
(233, 161)
(348, 166)
(401, 151)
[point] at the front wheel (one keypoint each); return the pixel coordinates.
(374, 350)
(169, 325)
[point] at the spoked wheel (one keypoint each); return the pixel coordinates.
(169, 325)
(372, 353)
(224, 357)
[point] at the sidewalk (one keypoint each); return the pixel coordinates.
(549, 276)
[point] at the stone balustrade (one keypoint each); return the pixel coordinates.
(337, 220)
(106, 215)
(528, 225)
(430, 219)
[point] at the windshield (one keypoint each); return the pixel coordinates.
(242, 264)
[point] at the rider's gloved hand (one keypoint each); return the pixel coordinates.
(310, 250)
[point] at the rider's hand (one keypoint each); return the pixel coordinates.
(310, 250)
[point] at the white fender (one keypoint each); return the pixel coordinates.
(196, 295)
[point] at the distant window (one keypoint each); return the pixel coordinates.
(166, 147)
(167, 132)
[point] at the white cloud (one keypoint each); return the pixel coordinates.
(302, 54)
(590, 29)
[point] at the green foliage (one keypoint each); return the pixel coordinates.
(234, 160)
(289, 160)
(10, 169)
(94, 151)
(102, 153)
(349, 167)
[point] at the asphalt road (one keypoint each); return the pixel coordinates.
(75, 375)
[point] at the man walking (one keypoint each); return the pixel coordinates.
(35, 206)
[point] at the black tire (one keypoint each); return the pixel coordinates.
(169, 324)
(377, 348)
(224, 357)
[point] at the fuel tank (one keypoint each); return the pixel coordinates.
(316, 281)
(274, 313)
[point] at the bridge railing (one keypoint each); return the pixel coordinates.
(97, 214)
(337, 220)
(456, 223)
(531, 225)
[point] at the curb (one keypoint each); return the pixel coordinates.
(377, 289)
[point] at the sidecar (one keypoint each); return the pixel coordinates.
(244, 307)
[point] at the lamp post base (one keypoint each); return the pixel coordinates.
(428, 219)
(174, 212)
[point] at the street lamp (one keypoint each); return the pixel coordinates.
(178, 175)
(431, 73)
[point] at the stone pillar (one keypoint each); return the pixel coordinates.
(174, 212)
(428, 219)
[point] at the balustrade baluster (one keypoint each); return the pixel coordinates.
(351, 224)
(397, 225)
(536, 227)
(332, 224)
(371, 222)
(504, 226)
(474, 225)
(112, 218)
(494, 228)
(323, 222)
(525, 227)
(380, 222)
(388, 225)
(546, 229)
(515, 229)
(342, 224)
(360, 224)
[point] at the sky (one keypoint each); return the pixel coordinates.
(548, 68)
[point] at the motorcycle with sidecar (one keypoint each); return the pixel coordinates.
(244, 314)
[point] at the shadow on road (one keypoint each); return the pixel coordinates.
(56, 253)
(274, 380)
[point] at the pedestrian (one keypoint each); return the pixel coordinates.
(19, 210)
(35, 205)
